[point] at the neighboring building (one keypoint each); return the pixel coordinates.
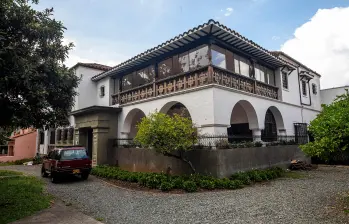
(21, 146)
(226, 83)
(329, 95)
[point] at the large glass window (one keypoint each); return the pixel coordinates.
(271, 77)
(183, 62)
(284, 80)
(127, 82)
(264, 74)
(259, 73)
(198, 57)
(218, 57)
(165, 68)
(242, 66)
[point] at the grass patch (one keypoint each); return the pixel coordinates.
(189, 183)
(21, 197)
(294, 175)
(99, 219)
(17, 162)
(9, 173)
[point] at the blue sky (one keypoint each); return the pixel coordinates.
(111, 31)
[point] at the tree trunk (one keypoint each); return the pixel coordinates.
(180, 157)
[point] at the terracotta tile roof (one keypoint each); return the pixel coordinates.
(93, 65)
(278, 53)
(210, 28)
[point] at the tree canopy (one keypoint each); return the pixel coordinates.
(168, 135)
(330, 130)
(36, 88)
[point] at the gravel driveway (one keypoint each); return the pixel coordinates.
(306, 200)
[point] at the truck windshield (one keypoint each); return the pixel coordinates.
(72, 154)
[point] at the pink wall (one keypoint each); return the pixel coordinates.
(24, 147)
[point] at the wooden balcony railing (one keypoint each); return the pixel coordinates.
(203, 76)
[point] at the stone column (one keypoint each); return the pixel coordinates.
(256, 134)
(100, 146)
(47, 134)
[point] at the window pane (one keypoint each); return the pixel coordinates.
(284, 80)
(244, 67)
(236, 64)
(143, 76)
(218, 56)
(229, 57)
(151, 73)
(165, 68)
(183, 61)
(271, 76)
(198, 57)
(304, 88)
(257, 73)
(126, 82)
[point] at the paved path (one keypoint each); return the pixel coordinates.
(306, 200)
(59, 213)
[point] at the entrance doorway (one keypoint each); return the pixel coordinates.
(89, 141)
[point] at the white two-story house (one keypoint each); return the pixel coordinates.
(226, 83)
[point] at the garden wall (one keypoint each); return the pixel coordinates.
(219, 163)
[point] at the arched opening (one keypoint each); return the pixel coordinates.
(243, 119)
(131, 121)
(272, 123)
(172, 108)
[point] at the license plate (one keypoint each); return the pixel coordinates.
(76, 171)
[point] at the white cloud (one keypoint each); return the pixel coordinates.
(323, 45)
(97, 51)
(228, 11)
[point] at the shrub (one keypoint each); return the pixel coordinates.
(254, 175)
(132, 177)
(177, 183)
(143, 180)
(190, 186)
(258, 144)
(166, 186)
(243, 177)
(207, 184)
(222, 144)
(235, 184)
(264, 175)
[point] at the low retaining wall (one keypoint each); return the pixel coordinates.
(219, 163)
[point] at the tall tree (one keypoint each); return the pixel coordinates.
(330, 130)
(36, 88)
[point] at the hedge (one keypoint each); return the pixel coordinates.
(189, 183)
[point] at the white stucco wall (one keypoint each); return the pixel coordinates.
(105, 100)
(211, 110)
(328, 95)
(87, 89)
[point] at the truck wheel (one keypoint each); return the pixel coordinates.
(43, 172)
(84, 176)
(54, 177)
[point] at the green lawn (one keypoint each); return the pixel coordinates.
(21, 197)
(9, 173)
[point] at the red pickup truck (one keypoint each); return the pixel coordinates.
(68, 160)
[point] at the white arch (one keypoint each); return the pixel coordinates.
(131, 120)
(250, 112)
(170, 104)
(278, 117)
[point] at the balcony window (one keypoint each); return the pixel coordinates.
(165, 68)
(183, 62)
(102, 91)
(218, 57)
(198, 57)
(242, 65)
(271, 77)
(259, 73)
(127, 82)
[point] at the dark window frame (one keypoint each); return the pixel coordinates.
(102, 91)
(284, 77)
(304, 88)
(314, 88)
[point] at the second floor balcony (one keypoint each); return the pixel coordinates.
(209, 75)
